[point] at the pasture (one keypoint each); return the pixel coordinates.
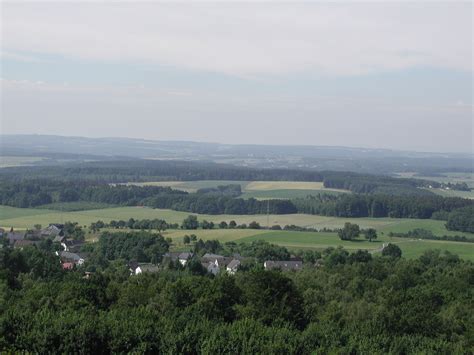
(321, 240)
(22, 218)
(252, 189)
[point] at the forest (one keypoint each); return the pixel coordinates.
(352, 303)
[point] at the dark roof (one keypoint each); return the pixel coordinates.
(211, 256)
(69, 256)
(146, 267)
(185, 256)
(15, 236)
(234, 264)
(283, 265)
(23, 243)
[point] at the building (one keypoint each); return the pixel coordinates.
(145, 267)
(68, 257)
(184, 257)
(20, 244)
(233, 266)
(15, 236)
(284, 265)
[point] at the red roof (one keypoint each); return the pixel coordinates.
(68, 266)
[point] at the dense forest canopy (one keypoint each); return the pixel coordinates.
(354, 303)
(156, 170)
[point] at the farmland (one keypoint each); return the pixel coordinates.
(26, 218)
(253, 189)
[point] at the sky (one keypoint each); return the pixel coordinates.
(392, 75)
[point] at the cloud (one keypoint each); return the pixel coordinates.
(248, 39)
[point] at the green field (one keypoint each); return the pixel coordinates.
(253, 189)
(321, 240)
(9, 161)
(22, 218)
(27, 217)
(453, 193)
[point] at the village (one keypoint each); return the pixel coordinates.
(68, 247)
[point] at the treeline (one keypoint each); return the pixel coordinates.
(36, 192)
(420, 233)
(359, 205)
(221, 200)
(341, 307)
(461, 219)
(156, 170)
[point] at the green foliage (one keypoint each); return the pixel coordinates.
(392, 250)
(461, 219)
(138, 246)
(370, 234)
(353, 304)
(349, 232)
(191, 222)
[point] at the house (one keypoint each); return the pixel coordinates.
(211, 257)
(15, 236)
(284, 265)
(184, 257)
(53, 230)
(72, 246)
(20, 244)
(68, 257)
(68, 266)
(59, 239)
(211, 266)
(145, 267)
(233, 266)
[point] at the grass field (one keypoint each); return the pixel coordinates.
(8, 161)
(21, 218)
(254, 189)
(321, 240)
(453, 193)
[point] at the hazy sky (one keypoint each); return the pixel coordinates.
(389, 75)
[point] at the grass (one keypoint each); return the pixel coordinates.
(75, 206)
(10, 161)
(286, 193)
(322, 240)
(25, 218)
(453, 193)
(255, 189)
(191, 186)
(21, 218)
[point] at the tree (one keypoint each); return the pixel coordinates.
(190, 222)
(349, 232)
(207, 225)
(223, 225)
(370, 234)
(37, 227)
(392, 250)
(232, 224)
(186, 239)
(254, 225)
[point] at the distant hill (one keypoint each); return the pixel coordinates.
(56, 149)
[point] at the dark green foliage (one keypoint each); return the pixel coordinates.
(461, 219)
(370, 234)
(349, 232)
(392, 250)
(355, 303)
(362, 205)
(138, 246)
(190, 222)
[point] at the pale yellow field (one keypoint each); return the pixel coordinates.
(284, 185)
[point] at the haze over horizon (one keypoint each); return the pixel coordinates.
(394, 75)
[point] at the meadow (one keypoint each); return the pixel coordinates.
(22, 218)
(253, 189)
